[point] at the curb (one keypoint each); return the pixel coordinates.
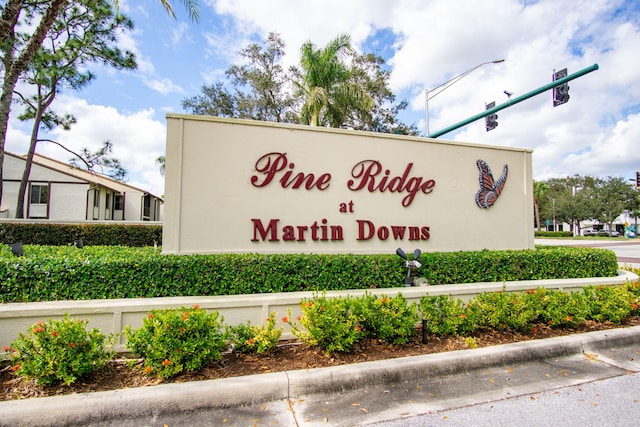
(78, 409)
(349, 377)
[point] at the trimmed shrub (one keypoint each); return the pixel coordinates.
(91, 234)
(60, 351)
(248, 338)
(563, 234)
(446, 315)
(175, 340)
(333, 324)
(390, 319)
(609, 303)
(51, 273)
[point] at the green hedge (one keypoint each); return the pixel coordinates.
(49, 273)
(91, 234)
(554, 234)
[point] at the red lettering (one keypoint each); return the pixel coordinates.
(425, 233)
(366, 229)
(397, 183)
(398, 232)
(414, 233)
(413, 186)
(301, 230)
(336, 232)
(269, 165)
(367, 172)
(288, 233)
(383, 233)
(271, 229)
(272, 164)
(295, 233)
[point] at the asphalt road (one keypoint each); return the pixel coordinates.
(606, 402)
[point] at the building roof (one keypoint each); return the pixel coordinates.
(85, 175)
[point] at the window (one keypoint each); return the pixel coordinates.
(96, 198)
(107, 204)
(38, 201)
(146, 210)
(39, 194)
(118, 202)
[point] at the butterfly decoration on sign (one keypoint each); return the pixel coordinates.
(490, 189)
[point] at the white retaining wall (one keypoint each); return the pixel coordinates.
(111, 316)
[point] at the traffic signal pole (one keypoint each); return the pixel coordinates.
(516, 100)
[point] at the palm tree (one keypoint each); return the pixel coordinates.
(539, 191)
(190, 5)
(329, 92)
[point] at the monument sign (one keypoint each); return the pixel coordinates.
(236, 186)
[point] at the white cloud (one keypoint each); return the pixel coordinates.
(427, 43)
(136, 137)
(163, 85)
(612, 152)
(179, 35)
(437, 40)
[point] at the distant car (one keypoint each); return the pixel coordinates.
(612, 233)
(590, 232)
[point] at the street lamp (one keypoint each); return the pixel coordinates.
(429, 93)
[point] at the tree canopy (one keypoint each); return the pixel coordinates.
(332, 86)
(24, 24)
(586, 198)
(83, 32)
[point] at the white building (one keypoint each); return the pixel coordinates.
(57, 191)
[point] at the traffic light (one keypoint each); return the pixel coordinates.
(637, 179)
(560, 92)
(490, 121)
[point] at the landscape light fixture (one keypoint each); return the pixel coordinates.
(425, 331)
(16, 249)
(78, 244)
(431, 93)
(410, 264)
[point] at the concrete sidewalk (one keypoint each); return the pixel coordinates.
(348, 395)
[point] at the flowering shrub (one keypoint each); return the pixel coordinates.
(175, 340)
(521, 311)
(501, 310)
(445, 315)
(337, 324)
(60, 351)
(609, 303)
(247, 338)
(390, 319)
(330, 323)
(561, 309)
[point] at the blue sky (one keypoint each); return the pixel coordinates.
(425, 43)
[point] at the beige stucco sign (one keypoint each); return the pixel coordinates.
(246, 186)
